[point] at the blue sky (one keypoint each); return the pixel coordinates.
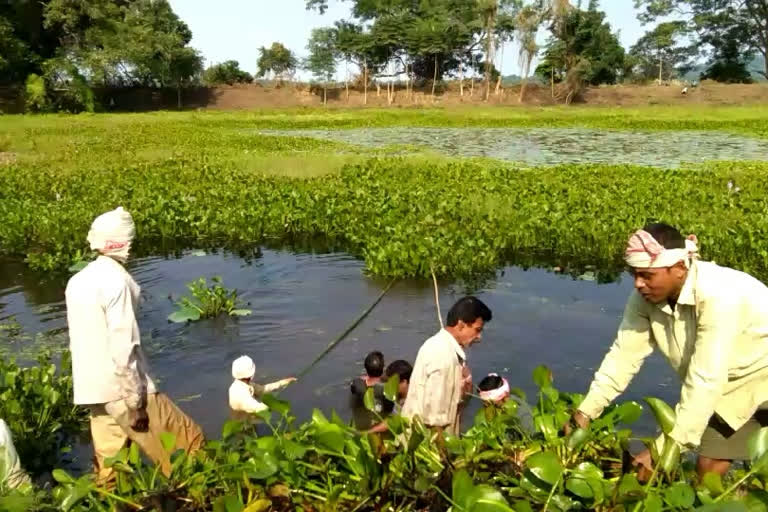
(235, 29)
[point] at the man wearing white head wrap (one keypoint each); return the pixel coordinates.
(109, 370)
(711, 324)
(243, 391)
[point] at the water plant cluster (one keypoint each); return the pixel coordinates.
(208, 302)
(498, 465)
(213, 184)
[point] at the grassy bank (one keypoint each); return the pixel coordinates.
(212, 180)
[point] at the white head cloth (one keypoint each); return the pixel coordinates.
(112, 234)
(643, 251)
(498, 394)
(243, 368)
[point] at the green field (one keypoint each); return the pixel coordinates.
(209, 179)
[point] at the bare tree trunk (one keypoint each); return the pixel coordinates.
(178, 94)
(461, 79)
(325, 93)
(378, 89)
(661, 67)
(434, 80)
(552, 82)
(346, 78)
(365, 83)
(501, 66)
(472, 86)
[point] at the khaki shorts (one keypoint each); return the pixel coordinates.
(721, 442)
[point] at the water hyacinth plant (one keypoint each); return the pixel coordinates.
(208, 302)
(325, 465)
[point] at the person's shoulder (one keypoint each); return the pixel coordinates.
(358, 386)
(716, 283)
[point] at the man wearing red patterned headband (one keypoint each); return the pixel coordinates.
(711, 323)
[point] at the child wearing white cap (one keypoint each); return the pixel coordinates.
(242, 392)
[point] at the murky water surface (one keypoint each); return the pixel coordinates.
(302, 301)
(551, 146)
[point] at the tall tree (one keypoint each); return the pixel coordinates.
(322, 57)
(730, 31)
(582, 49)
(663, 53)
(227, 72)
(527, 27)
(276, 60)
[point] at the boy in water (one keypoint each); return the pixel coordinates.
(374, 369)
(403, 370)
(242, 392)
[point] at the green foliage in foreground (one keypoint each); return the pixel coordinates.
(208, 302)
(36, 403)
(463, 218)
(498, 465)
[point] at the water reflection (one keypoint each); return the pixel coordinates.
(552, 146)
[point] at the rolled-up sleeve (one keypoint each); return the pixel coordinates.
(632, 346)
(123, 346)
(707, 374)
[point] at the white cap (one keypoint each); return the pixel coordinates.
(243, 368)
(112, 233)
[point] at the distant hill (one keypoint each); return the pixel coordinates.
(755, 67)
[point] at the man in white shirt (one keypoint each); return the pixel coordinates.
(440, 377)
(243, 392)
(11, 473)
(109, 370)
(711, 324)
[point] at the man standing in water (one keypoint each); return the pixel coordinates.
(108, 365)
(711, 323)
(439, 380)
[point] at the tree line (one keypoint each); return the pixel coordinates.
(59, 50)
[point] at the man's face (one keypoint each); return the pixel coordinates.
(657, 285)
(403, 390)
(467, 334)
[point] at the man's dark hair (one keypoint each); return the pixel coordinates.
(374, 364)
(401, 368)
(468, 310)
(666, 235)
(490, 382)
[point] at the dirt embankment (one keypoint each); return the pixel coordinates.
(257, 96)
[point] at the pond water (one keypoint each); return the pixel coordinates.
(551, 146)
(301, 302)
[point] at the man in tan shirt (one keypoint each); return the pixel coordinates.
(440, 377)
(711, 324)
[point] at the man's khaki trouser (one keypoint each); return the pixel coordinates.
(111, 430)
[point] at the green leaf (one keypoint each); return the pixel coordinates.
(134, 456)
(368, 400)
(281, 407)
(680, 495)
(240, 312)
(185, 314)
(168, 441)
(392, 387)
(17, 503)
(542, 377)
(713, 482)
(628, 412)
(543, 469)
(462, 488)
(230, 428)
(486, 498)
(653, 503)
(665, 416)
(265, 464)
(670, 457)
(630, 489)
(293, 450)
(756, 500)
(230, 503)
(318, 417)
(726, 506)
(62, 476)
(757, 444)
(330, 436)
(577, 438)
(587, 470)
